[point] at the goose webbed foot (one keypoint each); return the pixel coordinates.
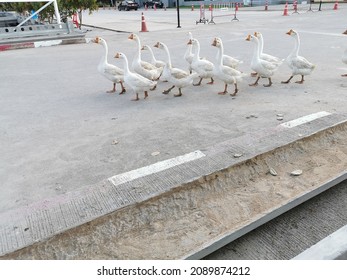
(255, 83)
(123, 88)
(287, 82)
(136, 98)
(199, 83)
(269, 84)
(167, 90)
(112, 90)
(301, 81)
(211, 82)
(235, 92)
(179, 93)
(225, 90)
(153, 88)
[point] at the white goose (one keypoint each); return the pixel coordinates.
(263, 68)
(227, 60)
(203, 67)
(188, 55)
(137, 82)
(298, 64)
(109, 71)
(154, 61)
(227, 74)
(263, 55)
(141, 67)
(178, 77)
(344, 56)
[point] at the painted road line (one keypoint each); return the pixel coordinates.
(154, 168)
(305, 119)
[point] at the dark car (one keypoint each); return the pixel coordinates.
(8, 19)
(128, 5)
(151, 3)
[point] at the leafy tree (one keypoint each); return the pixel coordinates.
(66, 7)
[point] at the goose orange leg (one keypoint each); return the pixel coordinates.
(168, 90)
(236, 90)
(301, 81)
(286, 82)
(255, 83)
(269, 84)
(137, 98)
(112, 90)
(179, 93)
(225, 90)
(123, 88)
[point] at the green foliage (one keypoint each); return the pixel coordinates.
(67, 7)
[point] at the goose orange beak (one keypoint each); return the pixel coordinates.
(214, 43)
(156, 45)
(248, 38)
(190, 42)
(131, 36)
(290, 32)
(117, 55)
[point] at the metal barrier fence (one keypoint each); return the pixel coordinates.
(36, 30)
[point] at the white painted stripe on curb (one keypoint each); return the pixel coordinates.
(305, 119)
(47, 43)
(154, 168)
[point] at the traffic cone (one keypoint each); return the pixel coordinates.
(266, 6)
(285, 11)
(192, 8)
(210, 8)
(143, 24)
(155, 7)
(336, 5)
(146, 7)
(236, 7)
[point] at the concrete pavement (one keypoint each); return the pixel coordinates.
(58, 124)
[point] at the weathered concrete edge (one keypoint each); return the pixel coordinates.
(333, 247)
(339, 248)
(35, 42)
(51, 217)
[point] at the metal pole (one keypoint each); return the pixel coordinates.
(178, 14)
(320, 5)
(56, 11)
(34, 14)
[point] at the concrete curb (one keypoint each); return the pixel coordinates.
(333, 247)
(41, 42)
(127, 219)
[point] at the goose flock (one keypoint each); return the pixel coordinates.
(143, 76)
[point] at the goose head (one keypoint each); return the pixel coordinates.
(120, 55)
(217, 42)
(97, 40)
(251, 38)
(257, 34)
(159, 45)
(145, 48)
(193, 42)
(134, 37)
(292, 33)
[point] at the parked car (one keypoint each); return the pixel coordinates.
(8, 19)
(128, 5)
(151, 3)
